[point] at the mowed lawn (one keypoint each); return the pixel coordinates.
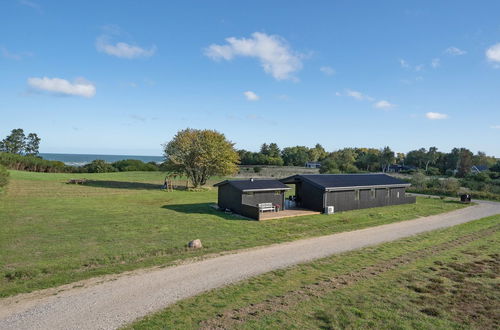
(446, 279)
(53, 233)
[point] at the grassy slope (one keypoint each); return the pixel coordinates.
(52, 233)
(423, 282)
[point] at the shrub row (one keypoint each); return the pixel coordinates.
(37, 164)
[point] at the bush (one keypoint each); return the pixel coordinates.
(134, 165)
(257, 169)
(432, 171)
(99, 166)
(418, 180)
(4, 177)
(32, 163)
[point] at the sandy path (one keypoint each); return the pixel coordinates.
(111, 304)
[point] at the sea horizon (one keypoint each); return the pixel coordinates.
(83, 159)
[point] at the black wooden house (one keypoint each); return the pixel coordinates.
(245, 196)
(341, 192)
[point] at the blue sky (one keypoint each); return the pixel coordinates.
(122, 77)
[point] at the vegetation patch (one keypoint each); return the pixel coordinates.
(53, 233)
(402, 284)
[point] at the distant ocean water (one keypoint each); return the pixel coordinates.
(82, 159)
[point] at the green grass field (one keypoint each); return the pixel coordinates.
(446, 279)
(52, 233)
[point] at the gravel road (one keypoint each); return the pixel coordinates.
(111, 304)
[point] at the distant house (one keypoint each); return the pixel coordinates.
(476, 169)
(245, 196)
(342, 192)
(316, 192)
(313, 165)
(396, 168)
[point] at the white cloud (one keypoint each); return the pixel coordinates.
(122, 49)
(328, 70)
(436, 115)
(31, 4)
(251, 96)
(273, 52)
(495, 126)
(14, 56)
(493, 53)
(80, 87)
(419, 67)
(404, 64)
(436, 63)
(383, 104)
(454, 51)
(358, 95)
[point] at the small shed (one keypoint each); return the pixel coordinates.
(244, 196)
(342, 192)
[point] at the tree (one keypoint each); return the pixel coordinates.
(451, 159)
(295, 156)
(368, 159)
(32, 143)
(400, 158)
(496, 167)
(274, 151)
(345, 159)
(431, 157)
(329, 165)
(317, 153)
(18, 143)
(416, 157)
(15, 142)
(386, 158)
(200, 154)
(464, 162)
(482, 159)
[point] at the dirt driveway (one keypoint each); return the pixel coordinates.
(109, 304)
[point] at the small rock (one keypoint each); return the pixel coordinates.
(195, 244)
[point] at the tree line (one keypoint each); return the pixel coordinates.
(200, 154)
(458, 161)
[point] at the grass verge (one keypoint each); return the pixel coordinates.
(445, 279)
(53, 233)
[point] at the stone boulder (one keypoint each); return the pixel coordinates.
(195, 244)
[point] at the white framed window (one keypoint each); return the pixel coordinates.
(356, 195)
(372, 193)
(388, 192)
(397, 194)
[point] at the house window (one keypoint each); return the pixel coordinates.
(397, 194)
(356, 195)
(372, 193)
(277, 192)
(387, 192)
(250, 193)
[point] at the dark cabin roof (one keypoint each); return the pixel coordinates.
(254, 185)
(343, 181)
(481, 168)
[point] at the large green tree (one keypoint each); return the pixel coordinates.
(386, 158)
(15, 142)
(200, 154)
(32, 144)
(295, 156)
(18, 143)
